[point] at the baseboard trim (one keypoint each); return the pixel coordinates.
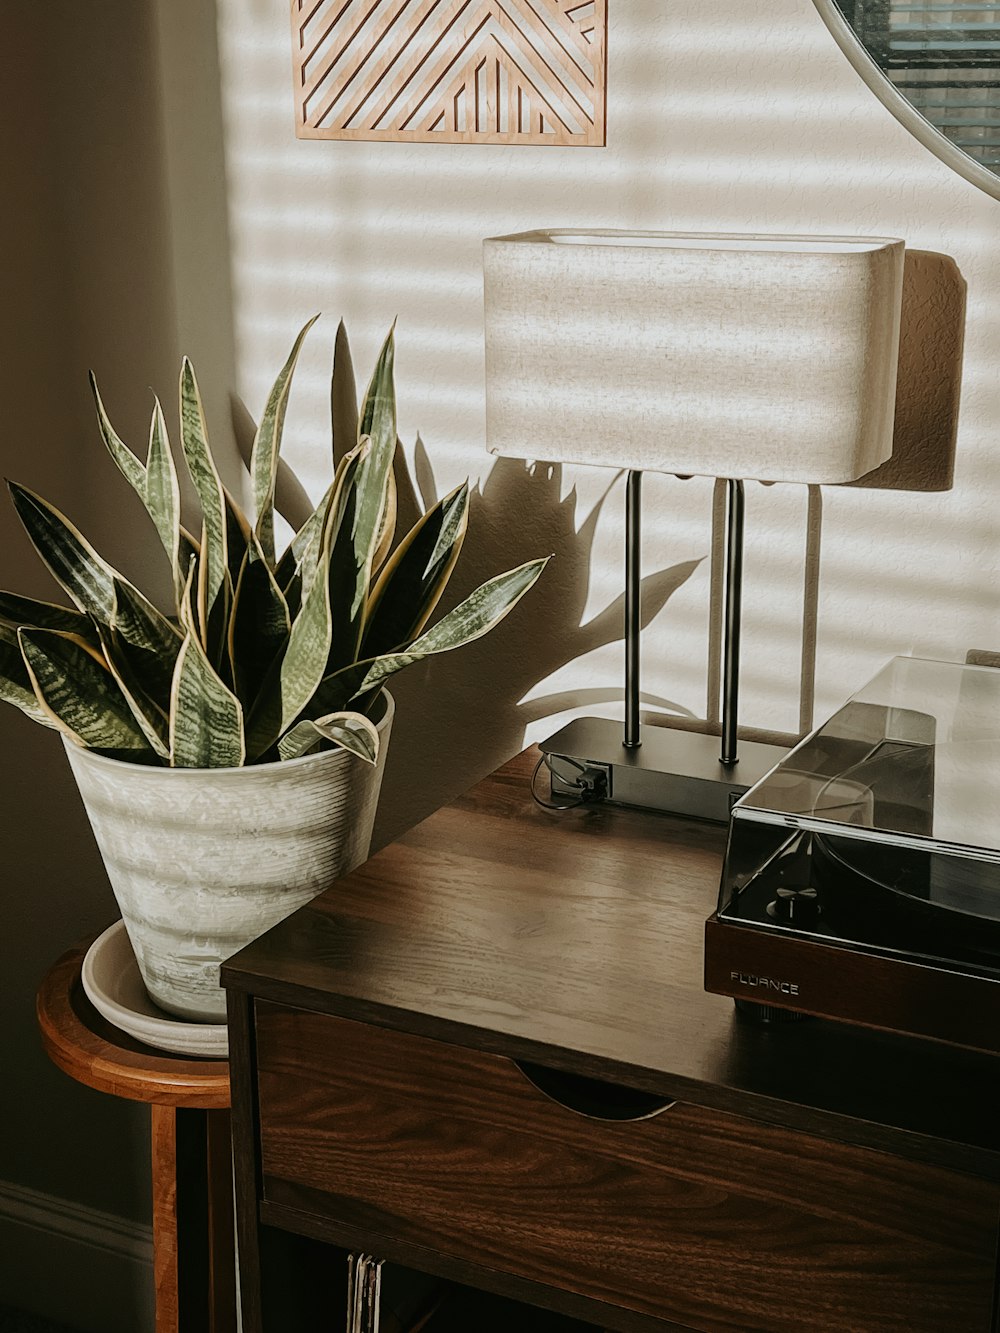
(75, 1222)
(75, 1264)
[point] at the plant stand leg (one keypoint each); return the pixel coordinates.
(193, 1251)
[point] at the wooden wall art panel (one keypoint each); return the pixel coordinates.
(451, 71)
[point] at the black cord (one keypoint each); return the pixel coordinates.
(551, 805)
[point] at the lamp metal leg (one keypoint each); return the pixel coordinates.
(733, 618)
(633, 606)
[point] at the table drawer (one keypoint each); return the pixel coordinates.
(701, 1217)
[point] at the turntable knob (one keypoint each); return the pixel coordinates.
(795, 907)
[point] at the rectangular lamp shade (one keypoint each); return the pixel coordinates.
(767, 357)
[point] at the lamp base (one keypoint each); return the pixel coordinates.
(676, 772)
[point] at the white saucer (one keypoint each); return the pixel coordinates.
(113, 985)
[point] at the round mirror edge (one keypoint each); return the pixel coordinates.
(894, 101)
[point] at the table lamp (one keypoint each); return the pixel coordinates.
(736, 356)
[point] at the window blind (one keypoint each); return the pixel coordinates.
(945, 59)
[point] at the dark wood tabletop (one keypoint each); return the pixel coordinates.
(574, 940)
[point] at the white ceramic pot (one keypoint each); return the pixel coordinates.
(204, 860)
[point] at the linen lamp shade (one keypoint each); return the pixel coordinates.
(765, 357)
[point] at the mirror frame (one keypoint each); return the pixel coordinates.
(894, 101)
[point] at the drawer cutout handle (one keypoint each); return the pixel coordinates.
(592, 1097)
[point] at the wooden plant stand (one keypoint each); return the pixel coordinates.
(193, 1249)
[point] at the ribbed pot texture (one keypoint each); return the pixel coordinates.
(202, 861)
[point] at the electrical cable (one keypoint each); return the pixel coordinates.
(583, 788)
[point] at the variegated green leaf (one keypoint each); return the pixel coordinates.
(15, 683)
(378, 415)
(471, 619)
(259, 626)
(291, 499)
(238, 534)
(387, 528)
(410, 586)
(267, 443)
(351, 731)
(207, 484)
(138, 621)
(155, 482)
(304, 545)
(69, 557)
(187, 548)
(94, 585)
(291, 683)
(131, 468)
(162, 495)
(206, 718)
(43, 615)
(343, 398)
(80, 695)
(151, 718)
(147, 640)
(359, 520)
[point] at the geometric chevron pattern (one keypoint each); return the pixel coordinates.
(451, 71)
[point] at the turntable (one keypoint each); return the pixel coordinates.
(862, 875)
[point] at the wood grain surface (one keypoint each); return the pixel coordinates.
(894, 994)
(574, 940)
(691, 1215)
(92, 1051)
(194, 1257)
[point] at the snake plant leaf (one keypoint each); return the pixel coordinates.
(139, 622)
(302, 554)
(207, 484)
(350, 731)
(15, 683)
(147, 640)
(151, 718)
(356, 523)
(378, 414)
(291, 499)
(259, 626)
(238, 534)
(267, 443)
(155, 482)
(206, 718)
(43, 615)
(304, 546)
(411, 584)
(290, 684)
(80, 696)
(387, 530)
(188, 546)
(296, 569)
(68, 556)
(93, 584)
(481, 611)
(343, 398)
(131, 468)
(162, 494)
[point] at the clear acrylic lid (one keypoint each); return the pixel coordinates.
(911, 760)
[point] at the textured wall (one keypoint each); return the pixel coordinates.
(86, 283)
(725, 116)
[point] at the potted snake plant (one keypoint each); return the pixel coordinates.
(230, 754)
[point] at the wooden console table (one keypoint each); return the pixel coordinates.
(487, 1055)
